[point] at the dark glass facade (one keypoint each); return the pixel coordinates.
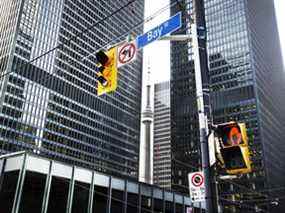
(184, 115)
(49, 105)
(33, 184)
(247, 82)
(247, 85)
(161, 136)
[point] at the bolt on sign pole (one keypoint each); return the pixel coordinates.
(198, 30)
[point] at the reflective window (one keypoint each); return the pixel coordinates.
(117, 204)
(58, 195)
(168, 207)
(133, 202)
(8, 190)
(158, 205)
(146, 200)
(33, 192)
(178, 208)
(100, 199)
(146, 204)
(80, 197)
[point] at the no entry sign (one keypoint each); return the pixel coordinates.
(197, 186)
(127, 53)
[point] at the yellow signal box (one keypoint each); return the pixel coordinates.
(107, 71)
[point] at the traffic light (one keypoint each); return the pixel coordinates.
(106, 71)
(234, 147)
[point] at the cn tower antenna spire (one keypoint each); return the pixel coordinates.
(148, 85)
(148, 72)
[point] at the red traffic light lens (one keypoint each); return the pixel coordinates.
(231, 135)
(235, 136)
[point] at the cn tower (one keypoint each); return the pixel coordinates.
(146, 154)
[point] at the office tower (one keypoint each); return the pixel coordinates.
(161, 136)
(185, 143)
(247, 81)
(49, 105)
(247, 85)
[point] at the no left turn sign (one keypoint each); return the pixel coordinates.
(127, 53)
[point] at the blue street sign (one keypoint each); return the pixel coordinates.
(172, 24)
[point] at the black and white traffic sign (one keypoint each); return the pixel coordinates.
(127, 53)
(197, 186)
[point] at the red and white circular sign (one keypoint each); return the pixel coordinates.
(126, 53)
(197, 179)
(197, 186)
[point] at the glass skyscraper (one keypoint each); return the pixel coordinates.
(247, 81)
(162, 136)
(48, 105)
(184, 115)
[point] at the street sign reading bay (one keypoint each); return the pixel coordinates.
(172, 24)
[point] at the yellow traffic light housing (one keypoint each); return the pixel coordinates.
(234, 147)
(107, 71)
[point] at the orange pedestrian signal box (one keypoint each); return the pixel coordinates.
(233, 140)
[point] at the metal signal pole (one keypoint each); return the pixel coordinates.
(199, 39)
